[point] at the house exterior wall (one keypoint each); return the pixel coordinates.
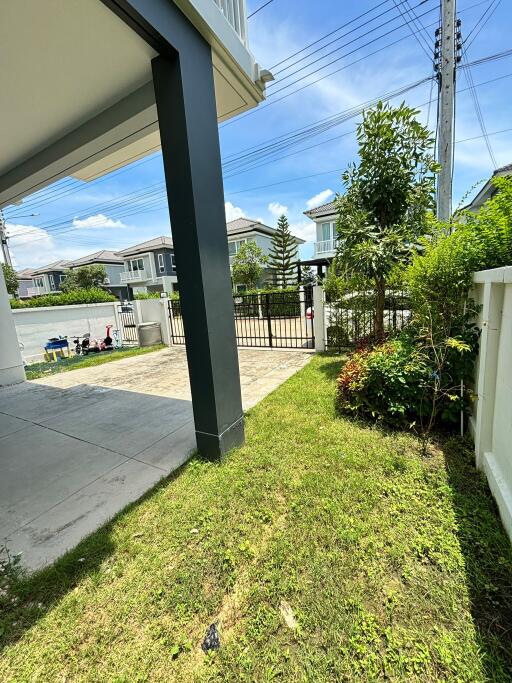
(168, 257)
(23, 287)
(325, 247)
(113, 272)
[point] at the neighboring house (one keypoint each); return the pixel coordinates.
(488, 190)
(150, 266)
(325, 218)
(25, 282)
(114, 267)
(243, 230)
(47, 280)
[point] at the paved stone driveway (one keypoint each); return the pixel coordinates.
(76, 448)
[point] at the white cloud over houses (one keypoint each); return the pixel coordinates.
(99, 220)
(277, 209)
(319, 198)
(33, 247)
(233, 212)
(306, 230)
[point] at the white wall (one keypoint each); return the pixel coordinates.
(491, 423)
(36, 325)
(154, 311)
(11, 365)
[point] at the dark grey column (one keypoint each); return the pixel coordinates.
(187, 116)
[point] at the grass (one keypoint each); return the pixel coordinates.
(324, 549)
(43, 369)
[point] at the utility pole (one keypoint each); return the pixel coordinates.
(3, 240)
(445, 51)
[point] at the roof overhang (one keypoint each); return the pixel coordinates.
(76, 87)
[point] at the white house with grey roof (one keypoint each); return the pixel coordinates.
(150, 266)
(243, 230)
(324, 248)
(113, 264)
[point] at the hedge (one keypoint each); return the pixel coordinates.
(95, 295)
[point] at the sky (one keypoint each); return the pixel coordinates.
(75, 218)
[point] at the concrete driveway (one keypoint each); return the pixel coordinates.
(76, 448)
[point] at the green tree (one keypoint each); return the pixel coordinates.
(388, 197)
(85, 277)
(307, 276)
(248, 265)
(283, 254)
(11, 279)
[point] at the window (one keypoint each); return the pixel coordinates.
(325, 232)
(161, 263)
(38, 282)
(51, 279)
(234, 247)
(173, 262)
(136, 264)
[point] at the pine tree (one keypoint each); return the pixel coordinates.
(283, 254)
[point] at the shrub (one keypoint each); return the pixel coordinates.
(95, 295)
(385, 383)
(174, 296)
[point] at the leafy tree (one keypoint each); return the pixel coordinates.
(85, 277)
(307, 276)
(11, 279)
(388, 197)
(283, 254)
(248, 265)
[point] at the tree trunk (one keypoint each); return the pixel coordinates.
(380, 291)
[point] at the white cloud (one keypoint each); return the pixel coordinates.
(233, 212)
(304, 229)
(319, 198)
(31, 247)
(99, 220)
(277, 209)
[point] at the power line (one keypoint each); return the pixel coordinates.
(479, 25)
(415, 33)
(259, 9)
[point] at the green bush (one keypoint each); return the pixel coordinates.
(94, 295)
(282, 302)
(174, 296)
(385, 383)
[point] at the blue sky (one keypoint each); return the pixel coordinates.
(83, 221)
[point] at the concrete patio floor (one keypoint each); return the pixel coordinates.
(75, 448)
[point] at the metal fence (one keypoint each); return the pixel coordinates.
(350, 321)
(264, 320)
(127, 322)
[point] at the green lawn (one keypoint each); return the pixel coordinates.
(43, 369)
(388, 566)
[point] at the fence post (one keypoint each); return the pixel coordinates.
(302, 302)
(165, 320)
(269, 319)
(319, 318)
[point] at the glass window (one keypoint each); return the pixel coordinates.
(173, 262)
(51, 280)
(232, 248)
(136, 264)
(326, 232)
(161, 263)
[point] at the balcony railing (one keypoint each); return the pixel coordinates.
(235, 12)
(325, 247)
(134, 276)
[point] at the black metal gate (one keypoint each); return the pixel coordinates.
(280, 320)
(127, 322)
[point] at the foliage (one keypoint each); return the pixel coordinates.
(75, 296)
(155, 295)
(385, 383)
(308, 277)
(395, 567)
(46, 368)
(388, 196)
(283, 254)
(85, 277)
(11, 279)
(248, 265)
(257, 302)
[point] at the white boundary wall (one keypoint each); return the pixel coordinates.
(35, 326)
(491, 422)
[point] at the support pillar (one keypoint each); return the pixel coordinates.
(185, 99)
(11, 363)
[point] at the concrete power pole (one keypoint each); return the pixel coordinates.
(446, 76)
(3, 240)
